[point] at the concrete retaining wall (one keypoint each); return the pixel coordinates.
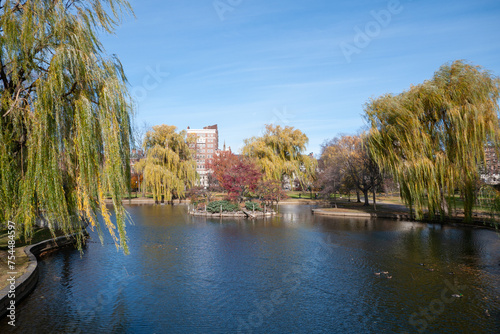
(362, 214)
(27, 282)
(453, 221)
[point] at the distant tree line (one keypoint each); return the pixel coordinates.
(427, 143)
(169, 169)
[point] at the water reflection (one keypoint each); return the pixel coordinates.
(291, 274)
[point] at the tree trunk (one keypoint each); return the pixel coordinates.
(410, 204)
(444, 206)
(374, 201)
(143, 188)
(469, 198)
(358, 197)
(365, 192)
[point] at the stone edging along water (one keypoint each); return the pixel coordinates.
(476, 223)
(397, 216)
(238, 214)
(27, 282)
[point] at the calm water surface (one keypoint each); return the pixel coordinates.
(294, 274)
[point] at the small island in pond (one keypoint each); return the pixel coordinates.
(248, 209)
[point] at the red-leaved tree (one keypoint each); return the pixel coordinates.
(240, 178)
(221, 163)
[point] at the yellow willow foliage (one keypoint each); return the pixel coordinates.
(168, 167)
(279, 152)
(433, 136)
(64, 116)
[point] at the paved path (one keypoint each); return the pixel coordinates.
(393, 206)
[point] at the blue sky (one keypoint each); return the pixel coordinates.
(299, 63)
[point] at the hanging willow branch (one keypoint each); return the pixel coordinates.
(64, 116)
(433, 136)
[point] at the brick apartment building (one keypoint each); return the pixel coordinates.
(490, 173)
(205, 147)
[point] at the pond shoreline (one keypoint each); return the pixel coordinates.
(151, 201)
(455, 222)
(326, 211)
(27, 282)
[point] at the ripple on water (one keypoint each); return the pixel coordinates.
(193, 275)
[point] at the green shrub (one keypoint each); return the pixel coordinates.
(214, 207)
(250, 206)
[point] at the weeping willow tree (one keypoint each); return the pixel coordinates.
(168, 168)
(64, 116)
(279, 153)
(433, 136)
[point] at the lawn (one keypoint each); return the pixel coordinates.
(301, 195)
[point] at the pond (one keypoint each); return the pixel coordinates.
(297, 273)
